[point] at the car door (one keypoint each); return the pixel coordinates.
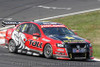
(33, 41)
(28, 36)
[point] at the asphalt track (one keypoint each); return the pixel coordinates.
(36, 9)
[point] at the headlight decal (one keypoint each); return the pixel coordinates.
(60, 45)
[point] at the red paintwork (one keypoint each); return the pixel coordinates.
(52, 41)
(87, 41)
(36, 34)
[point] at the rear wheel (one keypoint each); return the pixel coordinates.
(48, 52)
(12, 47)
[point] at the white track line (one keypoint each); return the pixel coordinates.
(95, 59)
(58, 16)
(7, 27)
(54, 8)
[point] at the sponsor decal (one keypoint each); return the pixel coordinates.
(19, 39)
(60, 49)
(45, 40)
(69, 37)
(35, 43)
(74, 41)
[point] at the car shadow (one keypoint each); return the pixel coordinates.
(76, 60)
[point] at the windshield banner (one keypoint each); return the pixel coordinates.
(42, 26)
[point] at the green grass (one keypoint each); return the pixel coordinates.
(87, 25)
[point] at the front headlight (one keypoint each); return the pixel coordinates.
(60, 45)
(89, 45)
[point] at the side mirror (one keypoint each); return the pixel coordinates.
(36, 34)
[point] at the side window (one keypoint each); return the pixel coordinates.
(33, 29)
(19, 28)
(23, 28)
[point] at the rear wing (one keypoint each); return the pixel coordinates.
(4, 23)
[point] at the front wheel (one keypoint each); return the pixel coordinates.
(48, 52)
(12, 47)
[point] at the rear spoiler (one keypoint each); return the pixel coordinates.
(4, 23)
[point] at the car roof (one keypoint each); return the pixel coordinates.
(47, 23)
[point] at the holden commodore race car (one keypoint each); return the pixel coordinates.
(51, 39)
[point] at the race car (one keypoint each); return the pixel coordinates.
(50, 39)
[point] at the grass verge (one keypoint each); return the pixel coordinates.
(87, 25)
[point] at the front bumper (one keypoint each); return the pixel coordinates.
(74, 51)
(70, 57)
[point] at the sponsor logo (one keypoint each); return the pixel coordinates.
(69, 37)
(35, 43)
(74, 41)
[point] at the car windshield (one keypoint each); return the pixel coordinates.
(57, 31)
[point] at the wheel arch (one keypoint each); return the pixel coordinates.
(45, 45)
(44, 51)
(9, 40)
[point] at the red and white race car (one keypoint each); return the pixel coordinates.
(50, 39)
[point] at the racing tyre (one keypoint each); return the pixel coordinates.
(48, 52)
(12, 47)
